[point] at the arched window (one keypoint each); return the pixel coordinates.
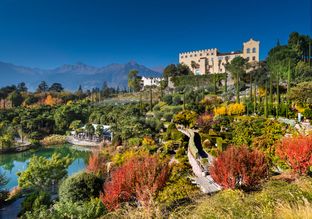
(248, 50)
(254, 50)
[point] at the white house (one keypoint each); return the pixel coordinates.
(150, 81)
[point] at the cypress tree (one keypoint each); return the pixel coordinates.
(225, 83)
(278, 95)
(266, 100)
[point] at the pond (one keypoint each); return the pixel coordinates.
(12, 163)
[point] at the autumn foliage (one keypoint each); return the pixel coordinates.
(138, 179)
(51, 101)
(96, 164)
(205, 121)
(297, 152)
(239, 167)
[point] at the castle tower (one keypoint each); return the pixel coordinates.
(251, 50)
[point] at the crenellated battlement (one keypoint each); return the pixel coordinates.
(213, 61)
(197, 52)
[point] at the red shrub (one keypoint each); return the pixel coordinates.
(96, 164)
(239, 167)
(205, 121)
(137, 179)
(297, 152)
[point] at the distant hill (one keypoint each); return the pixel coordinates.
(73, 75)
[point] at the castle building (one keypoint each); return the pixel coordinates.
(212, 61)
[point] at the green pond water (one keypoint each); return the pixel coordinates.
(12, 163)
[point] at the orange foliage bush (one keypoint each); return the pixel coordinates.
(51, 101)
(297, 152)
(96, 164)
(138, 179)
(239, 167)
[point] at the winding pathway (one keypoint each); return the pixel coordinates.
(203, 180)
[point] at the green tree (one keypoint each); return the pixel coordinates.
(3, 192)
(42, 87)
(134, 81)
(194, 65)
(16, 98)
(75, 125)
(42, 173)
(56, 87)
(99, 130)
(301, 93)
(21, 87)
(237, 67)
(89, 129)
(170, 71)
(183, 69)
(80, 187)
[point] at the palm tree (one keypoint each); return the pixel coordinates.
(89, 129)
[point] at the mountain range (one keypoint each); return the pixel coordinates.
(73, 75)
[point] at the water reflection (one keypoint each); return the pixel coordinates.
(12, 163)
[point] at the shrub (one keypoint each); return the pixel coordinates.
(96, 164)
(168, 99)
(80, 187)
(261, 204)
(34, 201)
(220, 111)
(307, 113)
(235, 109)
(134, 141)
(176, 100)
(149, 144)
(42, 173)
(87, 210)
(171, 145)
(156, 108)
(53, 140)
(205, 121)
(239, 167)
(180, 191)
(138, 178)
(297, 152)
(168, 117)
(186, 118)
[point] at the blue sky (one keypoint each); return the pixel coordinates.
(48, 33)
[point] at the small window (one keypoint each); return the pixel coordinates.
(207, 54)
(254, 58)
(200, 54)
(191, 55)
(248, 50)
(247, 58)
(181, 57)
(185, 56)
(195, 55)
(254, 50)
(212, 53)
